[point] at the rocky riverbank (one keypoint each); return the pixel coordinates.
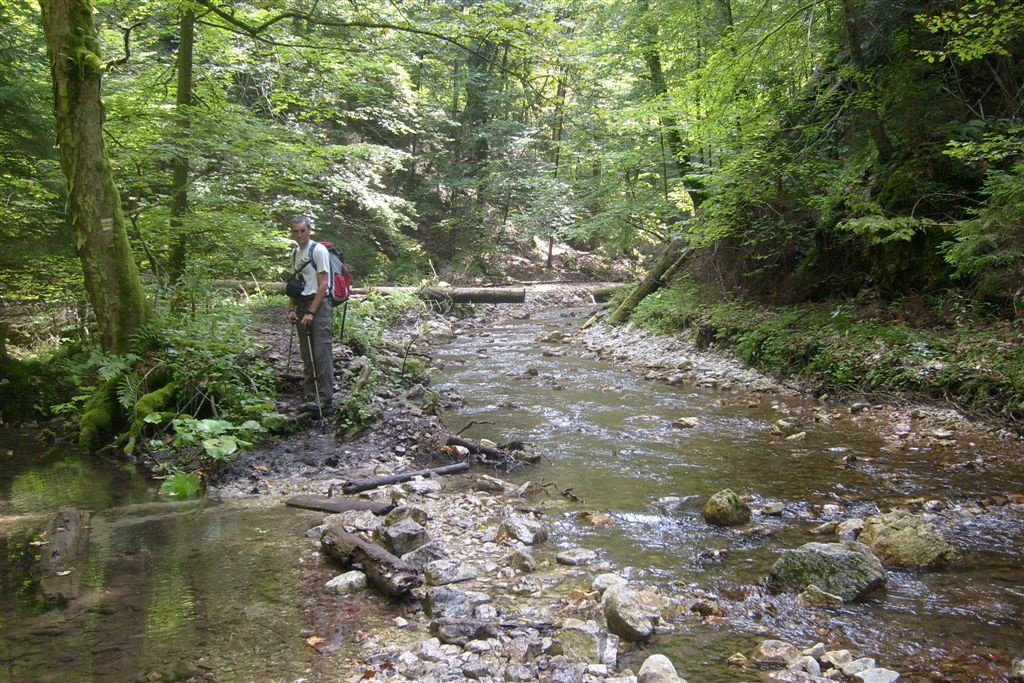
(500, 602)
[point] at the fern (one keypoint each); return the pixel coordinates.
(130, 389)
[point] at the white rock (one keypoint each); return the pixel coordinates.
(603, 582)
(836, 658)
(817, 651)
(344, 584)
(657, 669)
(857, 665)
(808, 664)
(877, 675)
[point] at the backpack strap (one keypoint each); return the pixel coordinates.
(309, 260)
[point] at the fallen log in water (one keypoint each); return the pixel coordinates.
(372, 483)
(455, 295)
(330, 504)
(387, 573)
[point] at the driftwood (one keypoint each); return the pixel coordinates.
(328, 504)
(455, 295)
(387, 573)
(66, 540)
(372, 483)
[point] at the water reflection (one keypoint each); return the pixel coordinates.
(175, 588)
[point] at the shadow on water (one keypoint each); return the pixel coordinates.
(608, 433)
(176, 588)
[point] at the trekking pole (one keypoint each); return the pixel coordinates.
(316, 384)
(291, 343)
(344, 312)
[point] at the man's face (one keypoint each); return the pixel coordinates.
(300, 232)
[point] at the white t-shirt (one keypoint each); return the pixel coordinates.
(321, 261)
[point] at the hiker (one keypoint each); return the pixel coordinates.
(309, 309)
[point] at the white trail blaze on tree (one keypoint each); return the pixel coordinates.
(111, 276)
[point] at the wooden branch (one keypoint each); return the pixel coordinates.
(388, 573)
(470, 424)
(374, 482)
(329, 504)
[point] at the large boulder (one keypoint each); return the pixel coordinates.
(627, 616)
(726, 509)
(584, 641)
(905, 540)
(846, 569)
(776, 654)
(658, 669)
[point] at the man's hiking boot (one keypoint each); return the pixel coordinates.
(314, 407)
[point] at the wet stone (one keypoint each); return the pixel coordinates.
(461, 631)
(418, 515)
(576, 557)
(522, 561)
(443, 602)
(425, 554)
(776, 654)
(442, 572)
(402, 537)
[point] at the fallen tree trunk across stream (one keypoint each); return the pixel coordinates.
(388, 574)
(455, 295)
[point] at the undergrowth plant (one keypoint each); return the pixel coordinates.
(191, 392)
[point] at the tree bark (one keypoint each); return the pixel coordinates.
(179, 182)
(101, 240)
(663, 270)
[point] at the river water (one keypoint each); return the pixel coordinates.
(609, 435)
(179, 588)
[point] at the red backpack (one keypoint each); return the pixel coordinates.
(339, 279)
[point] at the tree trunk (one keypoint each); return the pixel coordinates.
(676, 144)
(179, 189)
(662, 272)
(111, 276)
(871, 116)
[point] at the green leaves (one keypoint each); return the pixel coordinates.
(180, 484)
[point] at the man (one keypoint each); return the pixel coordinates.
(311, 315)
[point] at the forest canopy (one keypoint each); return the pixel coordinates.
(804, 149)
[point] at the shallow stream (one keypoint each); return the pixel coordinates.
(188, 587)
(609, 435)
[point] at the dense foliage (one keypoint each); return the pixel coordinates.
(805, 150)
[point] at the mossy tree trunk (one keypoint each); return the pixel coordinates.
(667, 266)
(111, 276)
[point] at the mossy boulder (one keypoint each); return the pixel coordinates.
(846, 569)
(907, 541)
(725, 508)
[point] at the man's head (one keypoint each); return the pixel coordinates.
(301, 227)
